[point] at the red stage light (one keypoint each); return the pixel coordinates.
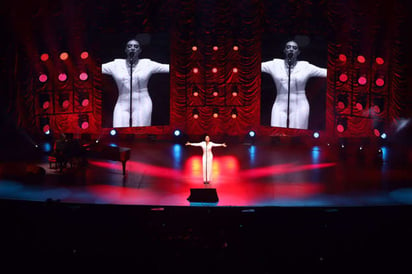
(359, 106)
(85, 102)
(215, 48)
(194, 48)
(234, 93)
(195, 70)
(342, 58)
(46, 105)
(46, 128)
(235, 48)
(43, 78)
(62, 77)
(377, 109)
(379, 60)
(84, 55)
(362, 80)
(196, 116)
(215, 93)
(340, 128)
(380, 82)
(195, 93)
(235, 70)
(376, 132)
(361, 59)
(65, 103)
(85, 125)
(44, 57)
(83, 76)
(214, 70)
(343, 77)
(64, 56)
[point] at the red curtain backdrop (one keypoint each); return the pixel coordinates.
(371, 28)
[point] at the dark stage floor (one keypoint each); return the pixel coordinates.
(162, 173)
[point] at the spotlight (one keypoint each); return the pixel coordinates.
(195, 113)
(342, 101)
(378, 128)
(45, 124)
(214, 70)
(84, 99)
(380, 81)
(252, 133)
(361, 59)
(378, 105)
(44, 101)
(64, 101)
(234, 91)
(215, 48)
(361, 102)
(113, 132)
(343, 77)
(341, 124)
(83, 121)
(342, 58)
(43, 78)
(234, 113)
(384, 136)
(316, 135)
(362, 80)
(235, 70)
(64, 56)
(177, 133)
(44, 57)
(235, 48)
(84, 55)
(62, 77)
(215, 91)
(195, 70)
(83, 76)
(215, 112)
(194, 48)
(379, 60)
(195, 91)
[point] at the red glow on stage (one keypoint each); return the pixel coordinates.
(343, 77)
(194, 48)
(215, 48)
(235, 70)
(64, 56)
(380, 82)
(195, 70)
(214, 70)
(43, 78)
(361, 59)
(84, 55)
(362, 80)
(44, 57)
(342, 58)
(379, 60)
(83, 76)
(62, 77)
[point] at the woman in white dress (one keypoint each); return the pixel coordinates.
(142, 69)
(207, 158)
(300, 72)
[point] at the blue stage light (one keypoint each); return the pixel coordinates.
(113, 132)
(316, 135)
(384, 135)
(252, 133)
(177, 133)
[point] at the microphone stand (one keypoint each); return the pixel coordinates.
(206, 162)
(289, 68)
(131, 55)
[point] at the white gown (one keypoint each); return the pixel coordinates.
(207, 158)
(141, 103)
(298, 104)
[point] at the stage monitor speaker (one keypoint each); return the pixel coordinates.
(203, 195)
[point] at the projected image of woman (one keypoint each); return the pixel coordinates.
(141, 70)
(300, 72)
(207, 158)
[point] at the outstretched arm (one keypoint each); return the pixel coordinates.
(219, 145)
(193, 144)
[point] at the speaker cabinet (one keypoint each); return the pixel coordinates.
(203, 195)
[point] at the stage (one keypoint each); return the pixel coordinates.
(245, 174)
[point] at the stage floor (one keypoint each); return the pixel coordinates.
(162, 173)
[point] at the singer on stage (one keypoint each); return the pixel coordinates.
(134, 87)
(207, 158)
(291, 106)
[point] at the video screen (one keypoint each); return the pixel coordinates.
(294, 81)
(135, 80)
